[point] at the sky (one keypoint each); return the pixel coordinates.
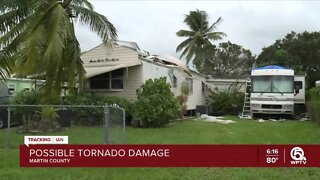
(253, 24)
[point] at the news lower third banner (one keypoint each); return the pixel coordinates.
(67, 155)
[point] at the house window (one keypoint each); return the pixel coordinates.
(203, 87)
(108, 81)
(189, 83)
(174, 81)
(11, 88)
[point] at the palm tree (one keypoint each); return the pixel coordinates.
(37, 38)
(199, 35)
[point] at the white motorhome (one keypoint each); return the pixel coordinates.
(300, 96)
(276, 91)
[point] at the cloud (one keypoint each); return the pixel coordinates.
(251, 24)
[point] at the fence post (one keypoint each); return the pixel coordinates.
(106, 124)
(124, 126)
(8, 126)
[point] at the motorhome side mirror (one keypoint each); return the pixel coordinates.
(296, 90)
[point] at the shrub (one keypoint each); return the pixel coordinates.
(183, 99)
(49, 116)
(313, 104)
(83, 99)
(25, 98)
(226, 103)
(27, 114)
(124, 103)
(156, 104)
(89, 117)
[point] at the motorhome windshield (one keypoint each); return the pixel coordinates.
(272, 84)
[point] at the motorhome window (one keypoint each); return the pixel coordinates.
(272, 84)
(261, 84)
(282, 84)
(298, 84)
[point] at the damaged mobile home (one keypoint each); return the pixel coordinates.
(121, 69)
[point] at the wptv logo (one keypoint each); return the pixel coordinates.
(297, 154)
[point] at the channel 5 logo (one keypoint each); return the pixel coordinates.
(297, 154)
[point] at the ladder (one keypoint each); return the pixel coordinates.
(246, 105)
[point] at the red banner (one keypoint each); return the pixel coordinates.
(170, 156)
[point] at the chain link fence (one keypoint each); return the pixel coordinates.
(115, 128)
(81, 123)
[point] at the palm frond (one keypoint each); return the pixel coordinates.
(73, 60)
(213, 26)
(191, 21)
(197, 20)
(37, 37)
(191, 50)
(183, 44)
(4, 65)
(96, 22)
(185, 33)
(82, 3)
(14, 31)
(188, 50)
(215, 35)
(57, 31)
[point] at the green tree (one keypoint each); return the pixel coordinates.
(38, 39)
(200, 34)
(228, 60)
(298, 51)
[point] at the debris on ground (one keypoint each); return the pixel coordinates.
(304, 119)
(272, 120)
(215, 119)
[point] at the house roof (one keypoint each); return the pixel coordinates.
(167, 61)
(132, 45)
(161, 60)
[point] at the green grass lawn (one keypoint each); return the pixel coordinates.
(181, 132)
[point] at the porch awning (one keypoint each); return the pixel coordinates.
(96, 70)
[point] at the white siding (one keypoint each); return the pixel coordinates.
(196, 98)
(152, 71)
(101, 52)
(132, 80)
(130, 84)
(137, 75)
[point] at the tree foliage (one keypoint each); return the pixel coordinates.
(298, 51)
(228, 60)
(156, 104)
(200, 34)
(38, 39)
(183, 99)
(226, 102)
